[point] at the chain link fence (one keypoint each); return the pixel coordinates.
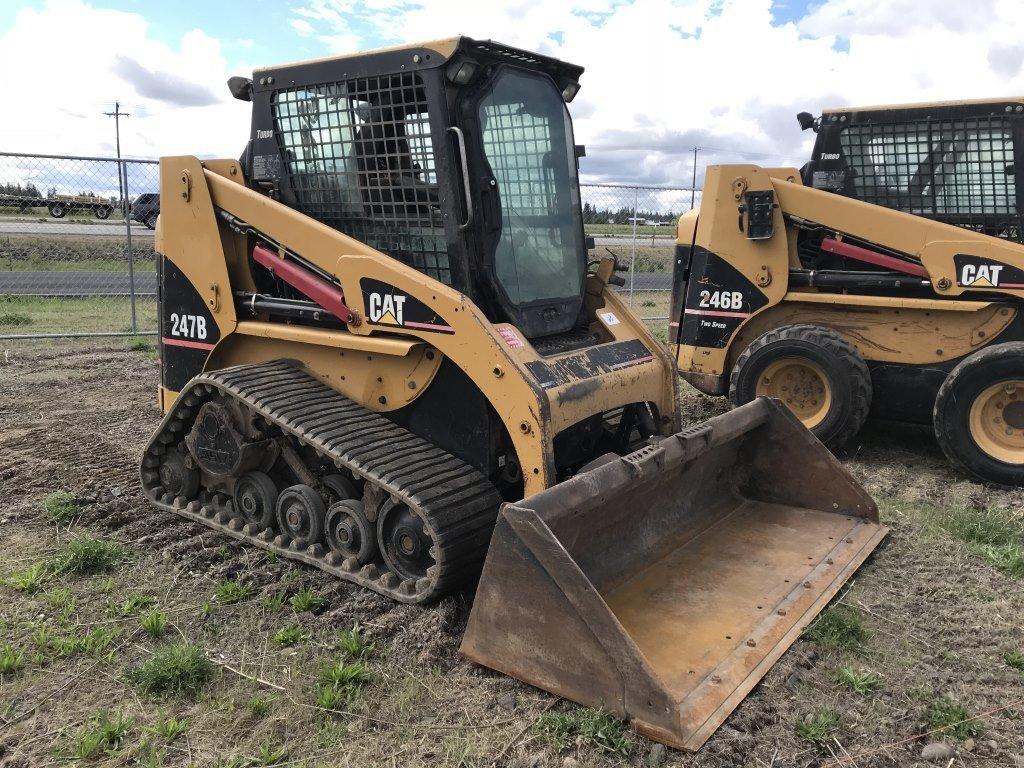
(76, 246)
(77, 259)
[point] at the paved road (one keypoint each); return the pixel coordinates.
(69, 228)
(76, 283)
(117, 284)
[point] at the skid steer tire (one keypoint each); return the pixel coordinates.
(979, 415)
(832, 395)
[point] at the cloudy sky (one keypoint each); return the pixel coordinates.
(662, 76)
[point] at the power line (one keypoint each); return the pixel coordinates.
(117, 114)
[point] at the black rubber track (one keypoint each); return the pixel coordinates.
(953, 404)
(457, 503)
(851, 378)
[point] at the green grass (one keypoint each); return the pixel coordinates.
(85, 555)
(134, 603)
(839, 626)
(15, 319)
(95, 642)
(258, 706)
(306, 600)
(289, 636)
(352, 643)
(590, 727)
(29, 579)
(60, 507)
(1014, 659)
(819, 728)
(862, 681)
(176, 669)
(232, 592)
(340, 683)
(10, 659)
(169, 728)
(105, 734)
(141, 345)
(272, 603)
(76, 315)
(154, 623)
(995, 535)
(953, 718)
(61, 599)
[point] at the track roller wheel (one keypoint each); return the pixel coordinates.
(255, 499)
(300, 513)
(177, 477)
(979, 415)
(814, 372)
(349, 533)
(403, 541)
(340, 488)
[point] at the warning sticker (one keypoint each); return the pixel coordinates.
(609, 318)
(510, 337)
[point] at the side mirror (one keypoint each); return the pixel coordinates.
(806, 120)
(240, 87)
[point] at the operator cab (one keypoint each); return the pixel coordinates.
(956, 162)
(455, 157)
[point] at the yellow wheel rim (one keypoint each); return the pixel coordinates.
(997, 421)
(801, 385)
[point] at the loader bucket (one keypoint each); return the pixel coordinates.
(661, 586)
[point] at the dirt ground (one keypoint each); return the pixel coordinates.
(940, 623)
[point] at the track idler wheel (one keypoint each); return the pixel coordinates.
(349, 533)
(255, 499)
(403, 541)
(340, 488)
(177, 477)
(300, 513)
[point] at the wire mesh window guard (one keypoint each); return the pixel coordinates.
(360, 159)
(960, 171)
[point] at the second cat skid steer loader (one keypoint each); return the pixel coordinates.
(385, 356)
(839, 307)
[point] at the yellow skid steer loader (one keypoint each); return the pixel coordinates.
(386, 356)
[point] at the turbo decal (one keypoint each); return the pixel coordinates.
(718, 299)
(977, 272)
(389, 307)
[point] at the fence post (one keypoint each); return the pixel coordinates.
(632, 258)
(125, 208)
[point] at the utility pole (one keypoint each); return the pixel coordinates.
(117, 114)
(693, 184)
(122, 185)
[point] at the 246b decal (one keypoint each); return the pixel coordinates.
(718, 299)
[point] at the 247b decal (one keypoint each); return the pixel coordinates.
(976, 272)
(389, 307)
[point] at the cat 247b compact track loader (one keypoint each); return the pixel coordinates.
(384, 356)
(888, 280)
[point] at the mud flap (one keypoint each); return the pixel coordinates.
(662, 586)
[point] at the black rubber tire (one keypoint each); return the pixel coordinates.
(339, 488)
(848, 376)
(255, 500)
(178, 478)
(103, 212)
(972, 376)
(307, 504)
(150, 221)
(57, 210)
(349, 533)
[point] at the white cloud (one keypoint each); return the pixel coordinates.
(664, 75)
(75, 60)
